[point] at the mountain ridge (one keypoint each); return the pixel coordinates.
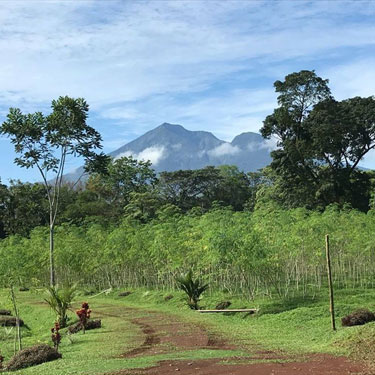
(172, 147)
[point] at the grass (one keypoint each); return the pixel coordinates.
(295, 326)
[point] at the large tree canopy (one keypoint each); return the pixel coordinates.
(321, 142)
(120, 178)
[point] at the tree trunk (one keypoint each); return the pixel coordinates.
(52, 255)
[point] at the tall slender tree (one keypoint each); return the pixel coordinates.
(45, 141)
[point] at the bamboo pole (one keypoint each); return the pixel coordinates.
(330, 286)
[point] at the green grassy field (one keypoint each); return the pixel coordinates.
(294, 326)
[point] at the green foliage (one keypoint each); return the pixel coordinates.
(321, 141)
(122, 177)
(60, 300)
(200, 188)
(44, 142)
(193, 289)
(23, 207)
(270, 251)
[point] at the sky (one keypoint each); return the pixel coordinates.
(205, 64)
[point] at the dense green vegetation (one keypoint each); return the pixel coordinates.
(269, 251)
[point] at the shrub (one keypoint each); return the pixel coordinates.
(193, 289)
(32, 356)
(357, 318)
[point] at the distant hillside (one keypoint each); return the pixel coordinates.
(172, 147)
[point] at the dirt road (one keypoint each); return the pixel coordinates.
(163, 334)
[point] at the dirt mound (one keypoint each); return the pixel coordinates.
(91, 324)
(9, 321)
(357, 318)
(223, 305)
(124, 294)
(32, 356)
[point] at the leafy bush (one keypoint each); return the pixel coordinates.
(60, 300)
(193, 289)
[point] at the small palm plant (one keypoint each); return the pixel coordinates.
(60, 300)
(192, 288)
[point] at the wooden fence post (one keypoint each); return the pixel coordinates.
(330, 286)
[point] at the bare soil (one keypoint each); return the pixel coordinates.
(164, 333)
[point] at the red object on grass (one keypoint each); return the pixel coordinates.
(84, 314)
(56, 337)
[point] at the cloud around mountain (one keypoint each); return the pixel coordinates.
(153, 153)
(171, 147)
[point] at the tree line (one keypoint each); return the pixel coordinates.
(128, 188)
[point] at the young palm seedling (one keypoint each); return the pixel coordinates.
(60, 300)
(193, 289)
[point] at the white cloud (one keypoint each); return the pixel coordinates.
(125, 154)
(355, 78)
(154, 154)
(224, 149)
(267, 144)
(115, 51)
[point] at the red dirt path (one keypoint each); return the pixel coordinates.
(162, 332)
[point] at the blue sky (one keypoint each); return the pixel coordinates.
(207, 65)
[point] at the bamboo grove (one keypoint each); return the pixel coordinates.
(267, 252)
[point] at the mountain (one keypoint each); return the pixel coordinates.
(171, 147)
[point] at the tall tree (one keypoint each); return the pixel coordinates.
(45, 141)
(120, 178)
(321, 142)
(24, 207)
(201, 187)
